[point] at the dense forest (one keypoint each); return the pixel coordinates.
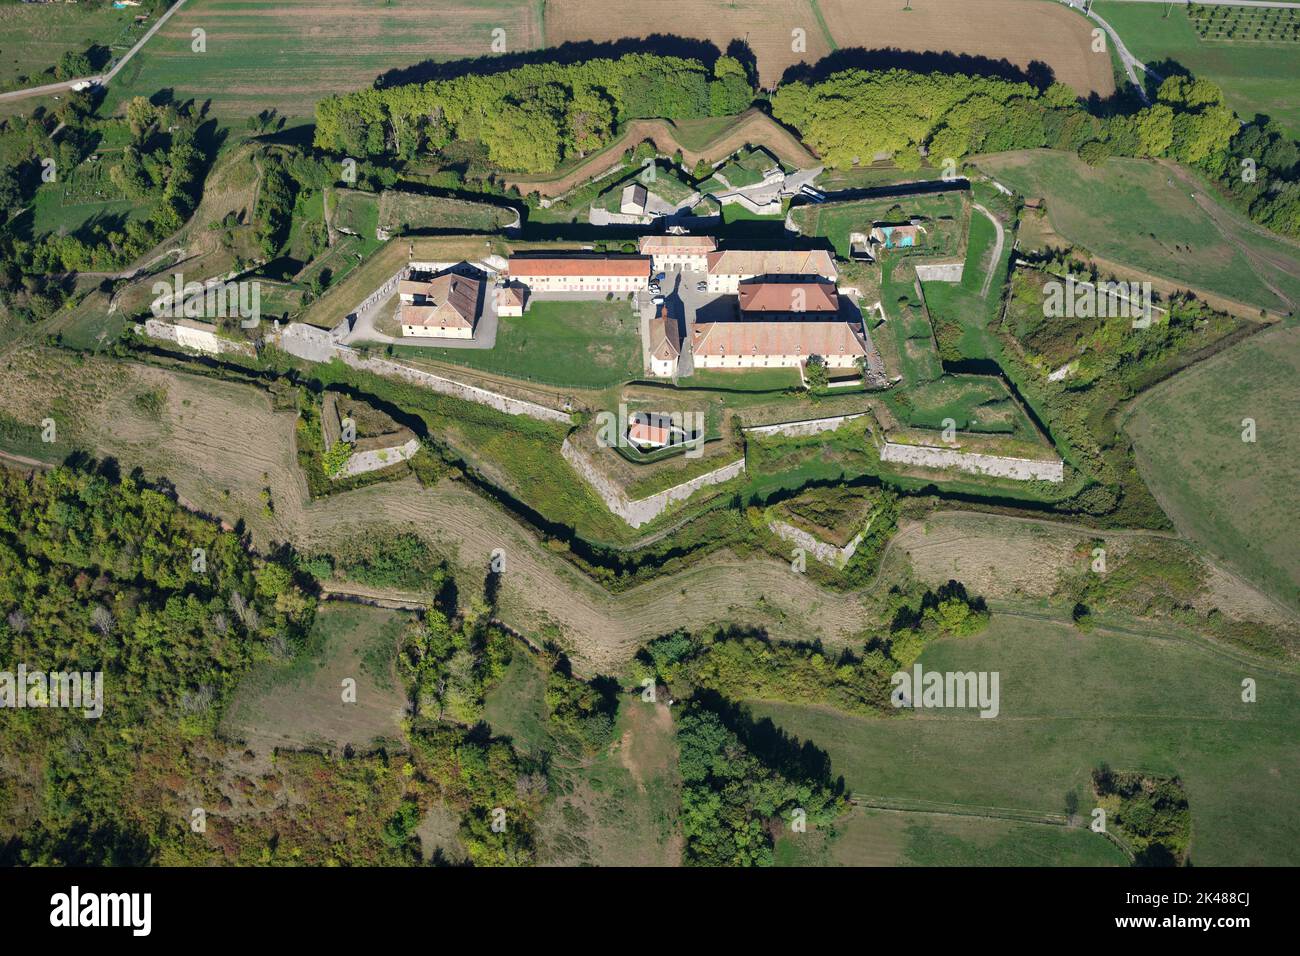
(532, 117)
(111, 575)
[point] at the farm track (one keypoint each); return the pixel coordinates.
(1228, 223)
(997, 250)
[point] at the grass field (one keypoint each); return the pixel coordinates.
(34, 36)
(1070, 700)
(621, 808)
(908, 334)
(299, 703)
(514, 707)
(1143, 214)
(1231, 496)
(582, 344)
(1018, 31)
(978, 403)
(618, 809)
(1255, 77)
(961, 309)
(874, 837)
(74, 205)
(403, 212)
(286, 56)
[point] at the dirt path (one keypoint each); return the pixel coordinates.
(1229, 223)
(997, 250)
(752, 128)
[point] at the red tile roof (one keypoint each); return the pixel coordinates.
(619, 266)
(789, 297)
(644, 433)
(665, 339)
(452, 302)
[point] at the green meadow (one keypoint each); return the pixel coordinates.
(1234, 497)
(1070, 700)
(1139, 213)
(579, 344)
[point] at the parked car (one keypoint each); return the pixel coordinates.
(658, 300)
(702, 286)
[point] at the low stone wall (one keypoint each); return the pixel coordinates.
(364, 461)
(198, 339)
(307, 342)
(940, 271)
(811, 426)
(820, 550)
(642, 511)
(769, 208)
(316, 345)
(1020, 469)
(447, 386)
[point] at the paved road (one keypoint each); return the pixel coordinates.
(103, 79)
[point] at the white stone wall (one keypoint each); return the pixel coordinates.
(447, 386)
(662, 262)
(364, 461)
(585, 283)
(642, 511)
(437, 332)
(200, 340)
(767, 361)
(315, 345)
(940, 271)
(820, 550)
(810, 426)
(1020, 469)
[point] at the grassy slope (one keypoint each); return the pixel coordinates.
(1070, 700)
(300, 703)
(1133, 211)
(1233, 497)
(870, 837)
(1255, 77)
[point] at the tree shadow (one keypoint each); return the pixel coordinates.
(661, 44)
(1038, 74)
(774, 747)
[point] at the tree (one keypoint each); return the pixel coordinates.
(590, 119)
(732, 90)
(523, 140)
(815, 373)
(73, 65)
(1071, 805)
